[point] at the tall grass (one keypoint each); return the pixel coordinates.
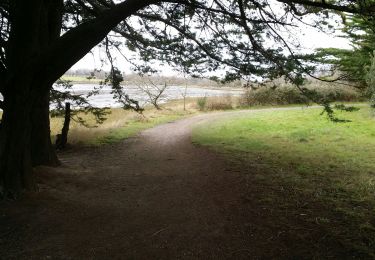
(225, 102)
(215, 103)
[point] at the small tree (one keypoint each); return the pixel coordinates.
(370, 79)
(62, 139)
(154, 92)
(184, 94)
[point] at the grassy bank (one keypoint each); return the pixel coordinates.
(309, 171)
(121, 124)
(81, 79)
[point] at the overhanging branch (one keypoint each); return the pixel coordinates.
(329, 6)
(74, 44)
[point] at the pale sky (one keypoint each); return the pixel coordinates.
(310, 39)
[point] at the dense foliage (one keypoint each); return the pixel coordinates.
(353, 64)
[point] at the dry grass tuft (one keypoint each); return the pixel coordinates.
(220, 103)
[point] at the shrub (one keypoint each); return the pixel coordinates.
(219, 103)
(269, 96)
(291, 95)
(201, 103)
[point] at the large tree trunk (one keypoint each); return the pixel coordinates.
(24, 137)
(35, 51)
(15, 143)
(42, 150)
(24, 134)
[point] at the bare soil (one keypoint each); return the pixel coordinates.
(155, 196)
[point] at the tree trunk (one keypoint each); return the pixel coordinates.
(15, 145)
(24, 137)
(62, 139)
(42, 150)
(24, 134)
(35, 53)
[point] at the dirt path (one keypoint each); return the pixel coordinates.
(154, 196)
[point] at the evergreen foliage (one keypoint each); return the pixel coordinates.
(79, 103)
(352, 63)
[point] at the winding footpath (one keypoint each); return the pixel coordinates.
(153, 196)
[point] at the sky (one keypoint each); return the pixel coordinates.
(309, 38)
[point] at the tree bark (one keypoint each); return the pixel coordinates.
(15, 144)
(62, 139)
(24, 134)
(37, 57)
(42, 150)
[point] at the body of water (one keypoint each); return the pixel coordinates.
(105, 98)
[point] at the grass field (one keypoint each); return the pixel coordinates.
(304, 165)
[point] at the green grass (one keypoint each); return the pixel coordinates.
(317, 161)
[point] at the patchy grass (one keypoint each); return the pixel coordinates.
(304, 165)
(121, 124)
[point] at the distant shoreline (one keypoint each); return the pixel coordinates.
(180, 82)
(125, 83)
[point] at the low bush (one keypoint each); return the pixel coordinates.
(269, 96)
(289, 95)
(201, 103)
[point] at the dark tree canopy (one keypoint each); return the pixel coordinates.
(41, 39)
(198, 35)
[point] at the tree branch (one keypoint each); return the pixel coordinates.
(326, 5)
(190, 37)
(74, 44)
